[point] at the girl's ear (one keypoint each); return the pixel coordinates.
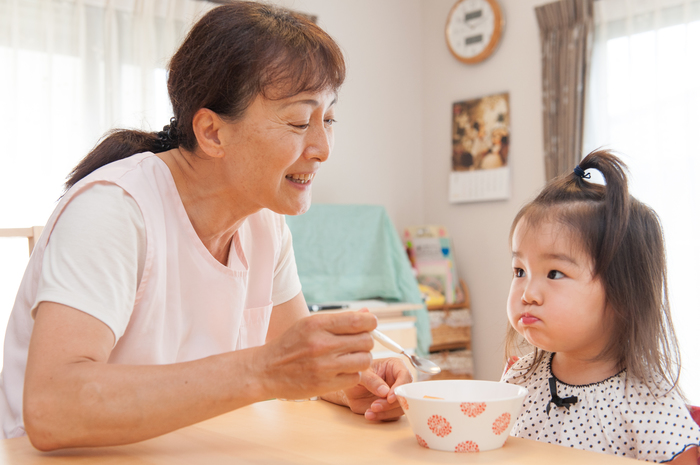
(207, 125)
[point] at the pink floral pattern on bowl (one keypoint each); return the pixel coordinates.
(467, 446)
(421, 442)
(473, 409)
(439, 426)
(501, 423)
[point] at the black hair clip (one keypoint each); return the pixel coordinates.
(167, 138)
(578, 171)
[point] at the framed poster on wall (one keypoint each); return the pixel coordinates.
(480, 149)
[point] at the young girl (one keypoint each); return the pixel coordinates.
(589, 293)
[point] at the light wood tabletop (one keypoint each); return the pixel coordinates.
(312, 432)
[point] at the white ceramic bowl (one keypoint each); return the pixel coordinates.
(469, 416)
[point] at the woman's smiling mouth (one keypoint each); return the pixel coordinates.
(300, 178)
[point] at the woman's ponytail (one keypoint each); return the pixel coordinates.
(122, 143)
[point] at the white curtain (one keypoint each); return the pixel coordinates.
(69, 71)
(644, 103)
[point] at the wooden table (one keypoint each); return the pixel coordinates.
(312, 432)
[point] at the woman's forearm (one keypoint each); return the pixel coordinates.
(74, 398)
(96, 404)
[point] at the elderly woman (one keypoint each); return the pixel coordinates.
(164, 289)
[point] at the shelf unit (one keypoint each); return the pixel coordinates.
(451, 328)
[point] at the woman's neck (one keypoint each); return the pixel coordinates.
(208, 200)
(576, 371)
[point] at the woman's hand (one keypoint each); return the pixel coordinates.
(374, 395)
(318, 354)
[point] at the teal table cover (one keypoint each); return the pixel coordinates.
(353, 252)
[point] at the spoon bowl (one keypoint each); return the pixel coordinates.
(421, 364)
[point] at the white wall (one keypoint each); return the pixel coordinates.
(481, 229)
(378, 148)
(393, 139)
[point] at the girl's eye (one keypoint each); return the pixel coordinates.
(554, 274)
(518, 272)
(329, 122)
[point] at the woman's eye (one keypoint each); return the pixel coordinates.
(554, 274)
(301, 126)
(518, 272)
(329, 122)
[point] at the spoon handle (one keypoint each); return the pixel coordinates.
(386, 342)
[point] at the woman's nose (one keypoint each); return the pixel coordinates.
(320, 143)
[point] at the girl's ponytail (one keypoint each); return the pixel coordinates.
(616, 200)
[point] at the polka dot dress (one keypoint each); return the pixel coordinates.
(619, 415)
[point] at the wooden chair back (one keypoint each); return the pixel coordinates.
(32, 234)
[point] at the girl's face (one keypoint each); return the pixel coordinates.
(555, 302)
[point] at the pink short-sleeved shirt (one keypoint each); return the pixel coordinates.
(187, 304)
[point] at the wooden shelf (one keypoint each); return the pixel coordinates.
(450, 346)
(466, 303)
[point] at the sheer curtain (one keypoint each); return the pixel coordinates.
(644, 102)
(69, 71)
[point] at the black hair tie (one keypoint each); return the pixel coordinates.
(168, 137)
(556, 400)
(578, 171)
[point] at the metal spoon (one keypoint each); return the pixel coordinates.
(421, 364)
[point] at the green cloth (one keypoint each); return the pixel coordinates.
(353, 252)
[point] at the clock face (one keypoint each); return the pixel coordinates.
(473, 29)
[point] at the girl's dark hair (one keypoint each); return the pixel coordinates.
(233, 54)
(625, 241)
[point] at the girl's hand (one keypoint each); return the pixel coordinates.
(510, 363)
(374, 395)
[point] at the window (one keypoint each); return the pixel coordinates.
(644, 103)
(72, 70)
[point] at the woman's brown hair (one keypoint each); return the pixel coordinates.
(234, 53)
(625, 241)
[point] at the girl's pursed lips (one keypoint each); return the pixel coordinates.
(528, 319)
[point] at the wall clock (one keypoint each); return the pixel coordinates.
(474, 29)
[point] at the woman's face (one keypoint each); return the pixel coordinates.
(276, 149)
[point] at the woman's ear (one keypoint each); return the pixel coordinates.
(207, 125)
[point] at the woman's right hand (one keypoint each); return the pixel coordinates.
(318, 354)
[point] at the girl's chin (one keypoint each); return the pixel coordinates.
(534, 341)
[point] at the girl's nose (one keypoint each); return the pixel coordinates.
(532, 294)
